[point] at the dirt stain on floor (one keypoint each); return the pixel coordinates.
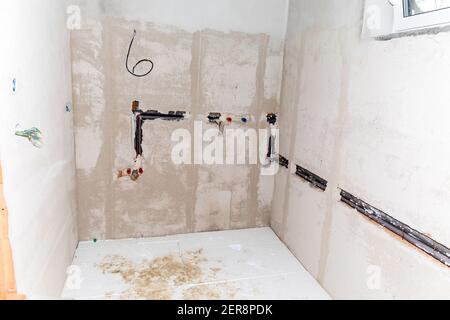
(217, 291)
(159, 278)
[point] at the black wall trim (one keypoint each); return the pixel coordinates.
(282, 161)
(416, 238)
(315, 180)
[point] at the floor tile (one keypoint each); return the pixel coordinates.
(241, 264)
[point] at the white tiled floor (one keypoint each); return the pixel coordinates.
(243, 264)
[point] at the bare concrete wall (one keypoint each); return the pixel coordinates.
(39, 183)
(198, 72)
(370, 117)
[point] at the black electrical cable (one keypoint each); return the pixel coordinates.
(132, 71)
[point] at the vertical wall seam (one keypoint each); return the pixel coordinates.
(255, 178)
(294, 133)
(197, 53)
(109, 96)
(74, 204)
(336, 164)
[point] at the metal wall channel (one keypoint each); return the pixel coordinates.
(282, 161)
(151, 115)
(314, 180)
(416, 238)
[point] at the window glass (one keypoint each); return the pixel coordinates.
(414, 7)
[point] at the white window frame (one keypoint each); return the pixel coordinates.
(420, 21)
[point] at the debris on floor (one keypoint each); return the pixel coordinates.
(149, 278)
(229, 265)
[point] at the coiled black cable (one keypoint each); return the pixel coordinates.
(132, 71)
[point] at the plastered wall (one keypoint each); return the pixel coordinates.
(199, 68)
(250, 16)
(39, 183)
(371, 118)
